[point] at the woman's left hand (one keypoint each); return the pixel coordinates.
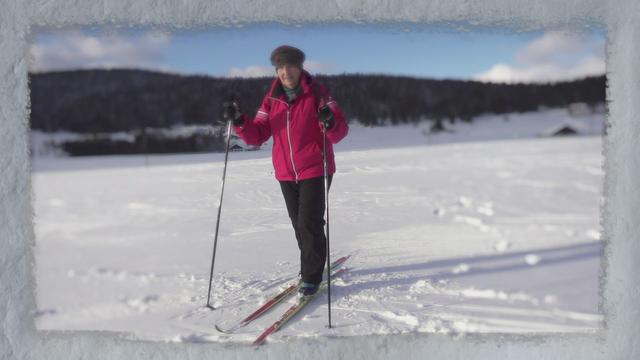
(325, 116)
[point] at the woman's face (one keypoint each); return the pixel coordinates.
(289, 75)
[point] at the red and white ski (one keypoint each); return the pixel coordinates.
(292, 311)
(278, 298)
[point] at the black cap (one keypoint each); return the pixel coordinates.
(286, 54)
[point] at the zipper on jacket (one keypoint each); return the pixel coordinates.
(290, 145)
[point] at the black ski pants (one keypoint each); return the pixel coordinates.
(306, 205)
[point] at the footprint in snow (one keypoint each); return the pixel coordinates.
(141, 304)
(406, 319)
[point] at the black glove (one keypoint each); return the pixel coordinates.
(325, 115)
(231, 111)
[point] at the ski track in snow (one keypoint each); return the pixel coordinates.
(449, 238)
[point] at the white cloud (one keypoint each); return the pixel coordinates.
(251, 71)
(554, 56)
(258, 71)
(544, 72)
(73, 49)
(550, 46)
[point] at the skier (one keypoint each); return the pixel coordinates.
(293, 112)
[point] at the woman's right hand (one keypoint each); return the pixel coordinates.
(231, 111)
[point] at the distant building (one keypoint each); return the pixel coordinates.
(561, 130)
(437, 126)
(565, 131)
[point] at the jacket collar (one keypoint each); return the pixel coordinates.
(306, 81)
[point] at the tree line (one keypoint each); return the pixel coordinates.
(103, 101)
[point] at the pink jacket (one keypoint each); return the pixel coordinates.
(296, 131)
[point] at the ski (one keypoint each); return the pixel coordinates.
(275, 300)
(292, 311)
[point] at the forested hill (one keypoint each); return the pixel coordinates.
(94, 101)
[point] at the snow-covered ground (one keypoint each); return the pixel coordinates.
(486, 228)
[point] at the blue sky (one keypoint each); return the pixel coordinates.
(489, 54)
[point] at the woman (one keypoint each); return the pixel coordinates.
(293, 112)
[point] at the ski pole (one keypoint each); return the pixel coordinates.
(326, 204)
(215, 241)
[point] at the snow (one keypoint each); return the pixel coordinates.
(618, 340)
(459, 238)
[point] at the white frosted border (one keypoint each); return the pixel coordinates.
(620, 212)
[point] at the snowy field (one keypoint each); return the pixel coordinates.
(487, 228)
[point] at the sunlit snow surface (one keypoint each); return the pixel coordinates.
(464, 232)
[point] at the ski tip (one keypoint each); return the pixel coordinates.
(263, 337)
(258, 342)
(221, 330)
